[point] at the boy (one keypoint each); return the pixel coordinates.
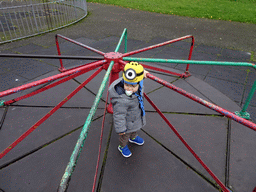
(126, 95)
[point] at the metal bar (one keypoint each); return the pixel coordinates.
(50, 19)
(58, 11)
(31, 23)
(57, 14)
(52, 56)
(241, 64)
(157, 45)
(52, 78)
(12, 23)
(156, 69)
(24, 11)
(162, 70)
(186, 145)
(65, 12)
(47, 87)
(62, 17)
(33, 12)
(31, 129)
(59, 53)
(52, 16)
(80, 142)
(190, 51)
(3, 30)
(39, 18)
(125, 44)
(18, 24)
(100, 144)
(220, 110)
(75, 10)
(80, 44)
(248, 100)
(83, 135)
(7, 24)
(21, 19)
(46, 18)
(121, 39)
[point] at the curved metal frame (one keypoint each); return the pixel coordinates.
(30, 18)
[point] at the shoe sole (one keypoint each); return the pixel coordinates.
(136, 142)
(123, 154)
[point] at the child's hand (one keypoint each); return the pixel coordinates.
(145, 74)
(121, 133)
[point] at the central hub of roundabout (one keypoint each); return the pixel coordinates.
(113, 56)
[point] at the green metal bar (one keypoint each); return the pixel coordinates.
(243, 112)
(249, 97)
(245, 64)
(2, 103)
(83, 135)
(125, 43)
(121, 39)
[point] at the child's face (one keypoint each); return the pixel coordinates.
(129, 87)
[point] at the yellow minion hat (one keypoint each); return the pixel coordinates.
(133, 73)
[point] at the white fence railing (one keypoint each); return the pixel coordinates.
(20, 19)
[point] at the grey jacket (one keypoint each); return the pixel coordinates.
(126, 111)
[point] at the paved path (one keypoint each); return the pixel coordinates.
(163, 163)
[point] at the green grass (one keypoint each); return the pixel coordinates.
(229, 10)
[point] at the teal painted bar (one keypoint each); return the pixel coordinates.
(245, 64)
(243, 112)
(124, 34)
(83, 135)
(125, 43)
(1, 103)
(249, 97)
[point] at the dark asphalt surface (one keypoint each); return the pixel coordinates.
(163, 163)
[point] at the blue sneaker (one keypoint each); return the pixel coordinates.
(125, 151)
(137, 140)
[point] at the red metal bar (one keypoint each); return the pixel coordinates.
(100, 144)
(156, 46)
(31, 129)
(162, 70)
(52, 56)
(114, 75)
(46, 87)
(52, 78)
(58, 49)
(122, 64)
(77, 67)
(186, 145)
(220, 110)
(81, 44)
(190, 52)
(156, 69)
